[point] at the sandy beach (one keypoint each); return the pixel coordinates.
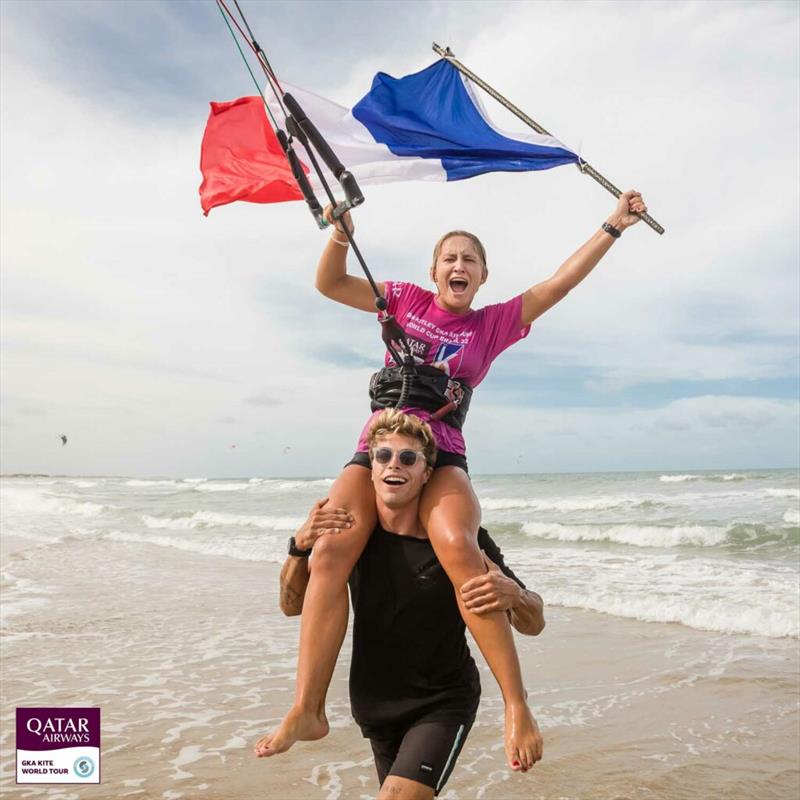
(189, 664)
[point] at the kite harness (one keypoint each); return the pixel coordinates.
(407, 384)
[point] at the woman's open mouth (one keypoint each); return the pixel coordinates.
(458, 285)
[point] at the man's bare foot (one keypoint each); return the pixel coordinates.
(523, 741)
(297, 726)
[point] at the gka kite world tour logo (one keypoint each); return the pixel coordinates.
(58, 745)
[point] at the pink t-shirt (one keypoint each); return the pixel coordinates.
(462, 345)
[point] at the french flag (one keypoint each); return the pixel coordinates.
(427, 126)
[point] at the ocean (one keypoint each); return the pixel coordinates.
(710, 550)
(669, 667)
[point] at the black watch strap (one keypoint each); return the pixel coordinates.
(611, 230)
(295, 551)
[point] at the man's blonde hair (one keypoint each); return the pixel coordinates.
(392, 420)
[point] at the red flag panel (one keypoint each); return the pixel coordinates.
(241, 158)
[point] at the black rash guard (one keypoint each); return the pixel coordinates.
(410, 657)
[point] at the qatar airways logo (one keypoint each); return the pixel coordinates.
(60, 730)
(58, 745)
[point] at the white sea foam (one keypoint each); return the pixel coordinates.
(637, 535)
(195, 480)
(594, 503)
(220, 487)
(289, 485)
(211, 519)
(730, 476)
(242, 550)
(792, 516)
(700, 592)
(782, 492)
(694, 610)
(20, 501)
(140, 482)
(21, 595)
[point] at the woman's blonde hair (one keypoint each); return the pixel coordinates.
(392, 420)
(437, 250)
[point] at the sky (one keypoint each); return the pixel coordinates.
(163, 343)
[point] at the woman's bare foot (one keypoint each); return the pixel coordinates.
(523, 741)
(297, 726)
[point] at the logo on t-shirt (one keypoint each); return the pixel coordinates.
(419, 349)
(448, 357)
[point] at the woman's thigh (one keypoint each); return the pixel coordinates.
(449, 504)
(353, 491)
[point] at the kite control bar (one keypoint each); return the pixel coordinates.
(301, 124)
(300, 127)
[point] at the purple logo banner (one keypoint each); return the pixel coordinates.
(55, 728)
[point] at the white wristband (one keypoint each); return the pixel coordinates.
(341, 244)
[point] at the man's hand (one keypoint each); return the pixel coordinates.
(320, 521)
(492, 591)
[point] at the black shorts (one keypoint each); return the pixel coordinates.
(426, 752)
(443, 459)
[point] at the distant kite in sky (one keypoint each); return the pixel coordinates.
(63, 440)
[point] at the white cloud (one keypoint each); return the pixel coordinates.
(136, 325)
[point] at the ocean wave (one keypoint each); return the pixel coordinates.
(792, 516)
(24, 501)
(703, 613)
(724, 477)
(304, 484)
(220, 487)
(241, 550)
(142, 482)
(212, 519)
(782, 493)
(636, 535)
(596, 503)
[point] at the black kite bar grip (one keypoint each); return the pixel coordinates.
(302, 181)
(353, 195)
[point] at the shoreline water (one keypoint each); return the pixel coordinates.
(190, 661)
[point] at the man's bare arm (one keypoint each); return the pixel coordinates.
(294, 580)
(494, 591)
(295, 571)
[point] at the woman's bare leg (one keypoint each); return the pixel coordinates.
(324, 620)
(451, 514)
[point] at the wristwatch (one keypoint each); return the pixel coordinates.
(295, 551)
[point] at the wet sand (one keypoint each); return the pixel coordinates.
(191, 662)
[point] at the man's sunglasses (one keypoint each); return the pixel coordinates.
(383, 455)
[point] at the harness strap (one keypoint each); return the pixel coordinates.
(445, 398)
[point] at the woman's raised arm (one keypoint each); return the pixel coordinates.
(332, 278)
(545, 295)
